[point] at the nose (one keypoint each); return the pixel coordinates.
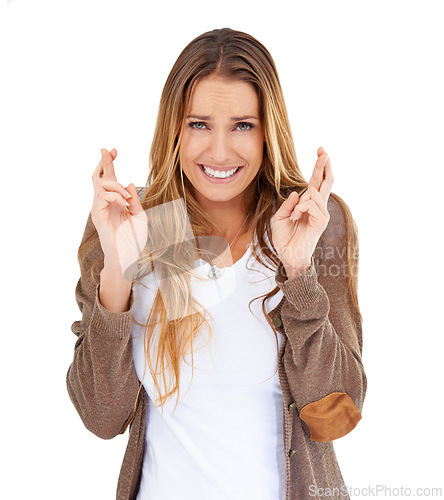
(219, 147)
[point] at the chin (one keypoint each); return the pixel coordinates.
(218, 197)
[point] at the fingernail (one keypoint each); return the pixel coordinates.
(126, 203)
(128, 195)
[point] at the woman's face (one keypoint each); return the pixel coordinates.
(224, 133)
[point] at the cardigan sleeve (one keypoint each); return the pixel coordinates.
(101, 380)
(322, 358)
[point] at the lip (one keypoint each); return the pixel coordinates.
(221, 169)
(220, 181)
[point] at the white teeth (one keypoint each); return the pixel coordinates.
(220, 174)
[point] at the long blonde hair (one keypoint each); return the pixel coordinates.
(233, 55)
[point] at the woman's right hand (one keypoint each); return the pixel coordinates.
(122, 229)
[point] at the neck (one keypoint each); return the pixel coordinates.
(227, 217)
(234, 223)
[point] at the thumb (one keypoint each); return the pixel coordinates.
(135, 207)
(287, 206)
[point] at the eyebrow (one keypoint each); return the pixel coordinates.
(233, 118)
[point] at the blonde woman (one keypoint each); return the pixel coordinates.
(225, 396)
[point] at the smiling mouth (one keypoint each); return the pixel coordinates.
(219, 174)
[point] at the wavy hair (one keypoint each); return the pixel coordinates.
(233, 55)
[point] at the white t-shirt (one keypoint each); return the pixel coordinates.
(225, 439)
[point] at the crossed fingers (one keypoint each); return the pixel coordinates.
(318, 189)
(105, 167)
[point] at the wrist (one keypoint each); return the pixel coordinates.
(112, 265)
(294, 270)
(114, 290)
(112, 271)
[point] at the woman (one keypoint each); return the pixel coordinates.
(259, 414)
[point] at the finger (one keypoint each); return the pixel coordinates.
(109, 185)
(135, 207)
(318, 171)
(108, 167)
(307, 206)
(287, 207)
(113, 152)
(98, 172)
(327, 183)
(315, 195)
(109, 197)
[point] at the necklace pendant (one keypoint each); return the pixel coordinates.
(214, 273)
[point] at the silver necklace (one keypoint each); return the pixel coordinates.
(214, 271)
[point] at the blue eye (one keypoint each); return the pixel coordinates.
(191, 124)
(250, 125)
(197, 126)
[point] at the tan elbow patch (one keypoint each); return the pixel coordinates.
(332, 417)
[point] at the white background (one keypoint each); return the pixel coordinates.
(363, 80)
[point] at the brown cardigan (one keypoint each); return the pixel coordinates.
(320, 368)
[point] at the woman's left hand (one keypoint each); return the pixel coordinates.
(295, 240)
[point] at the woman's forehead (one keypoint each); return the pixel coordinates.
(211, 97)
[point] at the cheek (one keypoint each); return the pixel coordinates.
(254, 149)
(191, 146)
(186, 154)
